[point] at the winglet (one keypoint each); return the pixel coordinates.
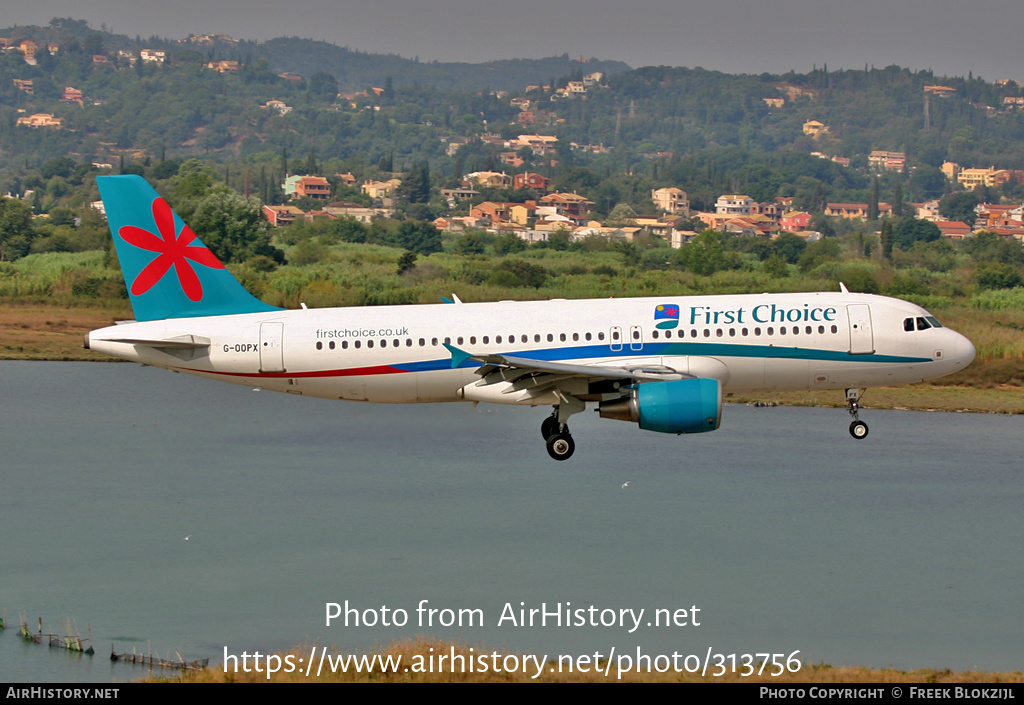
(458, 356)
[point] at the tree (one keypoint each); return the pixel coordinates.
(775, 267)
(419, 237)
(622, 215)
(407, 261)
(789, 247)
(996, 275)
(415, 187)
(517, 272)
(911, 230)
(707, 253)
(232, 226)
(323, 86)
(887, 239)
(960, 206)
(16, 232)
(873, 201)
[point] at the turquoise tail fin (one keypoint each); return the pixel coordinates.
(169, 272)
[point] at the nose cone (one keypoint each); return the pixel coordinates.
(964, 351)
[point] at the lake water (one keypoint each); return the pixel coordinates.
(787, 534)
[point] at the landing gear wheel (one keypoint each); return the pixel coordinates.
(859, 430)
(561, 446)
(549, 427)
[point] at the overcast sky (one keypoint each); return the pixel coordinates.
(736, 36)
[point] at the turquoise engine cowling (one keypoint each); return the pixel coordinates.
(676, 406)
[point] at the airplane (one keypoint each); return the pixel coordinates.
(662, 363)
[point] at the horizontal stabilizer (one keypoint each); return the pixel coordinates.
(178, 342)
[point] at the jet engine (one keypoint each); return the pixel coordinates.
(676, 406)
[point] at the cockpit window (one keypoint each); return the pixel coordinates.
(920, 323)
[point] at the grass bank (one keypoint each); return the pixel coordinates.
(423, 649)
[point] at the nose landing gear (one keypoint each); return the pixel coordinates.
(858, 429)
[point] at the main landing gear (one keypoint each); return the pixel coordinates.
(557, 437)
(555, 428)
(858, 429)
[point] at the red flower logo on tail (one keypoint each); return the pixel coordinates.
(174, 251)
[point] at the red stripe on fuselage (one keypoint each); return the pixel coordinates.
(352, 372)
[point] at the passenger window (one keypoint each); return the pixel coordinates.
(835, 329)
(369, 343)
(344, 345)
(561, 337)
(551, 338)
(331, 345)
(654, 334)
(358, 344)
(732, 332)
(319, 345)
(383, 343)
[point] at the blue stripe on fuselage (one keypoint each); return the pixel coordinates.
(672, 349)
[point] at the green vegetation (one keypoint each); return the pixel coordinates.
(207, 141)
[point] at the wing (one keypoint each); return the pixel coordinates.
(537, 377)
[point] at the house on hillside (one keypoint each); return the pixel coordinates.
(671, 200)
(532, 181)
(41, 120)
(813, 128)
(795, 221)
(856, 211)
(734, 205)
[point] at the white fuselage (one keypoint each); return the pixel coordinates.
(396, 354)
